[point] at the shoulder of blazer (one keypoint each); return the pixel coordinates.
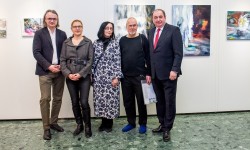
(151, 33)
(169, 27)
(44, 30)
(152, 30)
(59, 31)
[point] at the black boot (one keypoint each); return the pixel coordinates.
(109, 125)
(78, 129)
(102, 126)
(86, 117)
(78, 117)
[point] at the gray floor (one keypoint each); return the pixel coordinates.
(214, 131)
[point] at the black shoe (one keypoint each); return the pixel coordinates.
(158, 129)
(47, 135)
(56, 127)
(101, 128)
(108, 129)
(166, 136)
(78, 129)
(88, 132)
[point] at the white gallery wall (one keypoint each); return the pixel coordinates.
(219, 82)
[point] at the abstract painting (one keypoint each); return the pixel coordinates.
(3, 28)
(238, 25)
(31, 25)
(142, 13)
(194, 23)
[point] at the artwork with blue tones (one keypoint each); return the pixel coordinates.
(194, 23)
(142, 13)
(238, 25)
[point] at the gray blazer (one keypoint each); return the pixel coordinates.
(77, 59)
(168, 54)
(43, 49)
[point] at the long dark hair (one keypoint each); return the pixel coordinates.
(100, 33)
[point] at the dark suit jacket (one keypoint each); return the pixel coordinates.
(43, 49)
(167, 56)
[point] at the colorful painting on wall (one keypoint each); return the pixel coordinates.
(31, 25)
(194, 23)
(3, 28)
(238, 25)
(142, 13)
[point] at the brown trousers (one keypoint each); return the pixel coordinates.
(54, 81)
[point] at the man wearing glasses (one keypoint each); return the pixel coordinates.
(47, 45)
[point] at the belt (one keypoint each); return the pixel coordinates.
(77, 61)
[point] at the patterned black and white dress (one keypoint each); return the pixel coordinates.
(106, 97)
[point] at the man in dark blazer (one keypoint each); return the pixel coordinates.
(166, 52)
(47, 45)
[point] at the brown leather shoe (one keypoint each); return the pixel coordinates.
(56, 127)
(158, 129)
(47, 135)
(166, 136)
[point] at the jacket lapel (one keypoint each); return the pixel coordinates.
(46, 31)
(163, 35)
(57, 39)
(151, 40)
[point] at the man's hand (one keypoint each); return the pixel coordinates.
(148, 79)
(54, 68)
(173, 75)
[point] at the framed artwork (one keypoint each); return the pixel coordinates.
(194, 23)
(142, 13)
(238, 25)
(3, 28)
(31, 25)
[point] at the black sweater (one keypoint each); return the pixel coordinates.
(135, 57)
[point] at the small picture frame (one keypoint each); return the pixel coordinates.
(30, 26)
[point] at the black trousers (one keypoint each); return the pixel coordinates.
(79, 93)
(165, 91)
(131, 88)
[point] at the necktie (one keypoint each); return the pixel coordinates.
(157, 37)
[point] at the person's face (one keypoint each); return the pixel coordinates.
(77, 28)
(108, 30)
(51, 20)
(158, 19)
(132, 26)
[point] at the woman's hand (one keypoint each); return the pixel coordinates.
(74, 77)
(115, 82)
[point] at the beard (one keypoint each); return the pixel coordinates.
(132, 33)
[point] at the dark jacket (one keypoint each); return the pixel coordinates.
(43, 49)
(168, 54)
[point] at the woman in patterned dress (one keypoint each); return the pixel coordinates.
(106, 74)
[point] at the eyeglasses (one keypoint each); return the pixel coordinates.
(108, 28)
(75, 27)
(52, 19)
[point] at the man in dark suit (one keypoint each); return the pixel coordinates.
(166, 52)
(47, 45)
